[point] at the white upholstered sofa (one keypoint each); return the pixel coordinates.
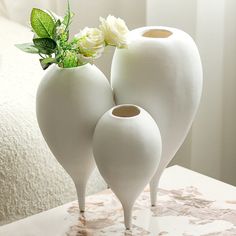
(31, 180)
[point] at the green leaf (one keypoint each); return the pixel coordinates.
(68, 17)
(42, 23)
(45, 45)
(27, 47)
(57, 24)
(46, 62)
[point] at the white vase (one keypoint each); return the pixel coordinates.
(70, 101)
(160, 71)
(127, 149)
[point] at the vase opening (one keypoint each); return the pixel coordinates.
(126, 111)
(157, 33)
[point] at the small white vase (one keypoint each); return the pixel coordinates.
(160, 71)
(127, 149)
(69, 104)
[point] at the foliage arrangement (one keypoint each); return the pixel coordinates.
(52, 42)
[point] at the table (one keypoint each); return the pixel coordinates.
(189, 204)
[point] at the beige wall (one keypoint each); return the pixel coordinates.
(228, 161)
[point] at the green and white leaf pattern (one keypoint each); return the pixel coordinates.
(45, 45)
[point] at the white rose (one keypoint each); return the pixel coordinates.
(90, 42)
(115, 31)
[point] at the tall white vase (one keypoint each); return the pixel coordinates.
(161, 71)
(127, 149)
(69, 104)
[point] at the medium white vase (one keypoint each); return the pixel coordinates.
(127, 149)
(160, 71)
(70, 101)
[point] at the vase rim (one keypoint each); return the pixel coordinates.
(125, 111)
(73, 68)
(161, 33)
(157, 33)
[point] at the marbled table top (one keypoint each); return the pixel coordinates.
(189, 204)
